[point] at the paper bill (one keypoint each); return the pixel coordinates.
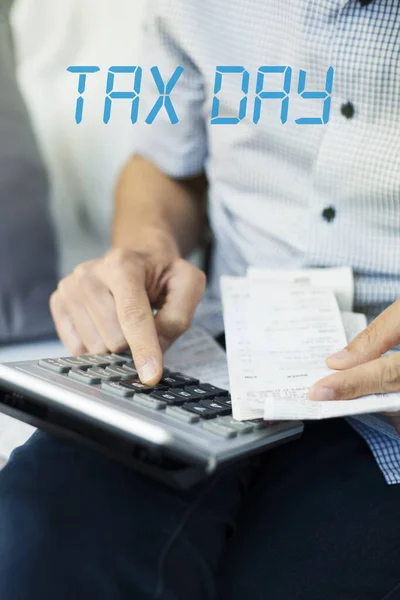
(240, 348)
(293, 403)
(338, 279)
(278, 336)
(198, 354)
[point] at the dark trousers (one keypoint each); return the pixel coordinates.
(312, 520)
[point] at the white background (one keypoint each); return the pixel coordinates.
(83, 160)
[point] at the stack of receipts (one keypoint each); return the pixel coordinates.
(280, 326)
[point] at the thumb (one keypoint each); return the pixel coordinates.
(379, 337)
(185, 289)
(394, 418)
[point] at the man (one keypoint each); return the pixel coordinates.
(28, 263)
(314, 519)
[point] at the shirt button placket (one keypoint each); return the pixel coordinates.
(348, 110)
(329, 214)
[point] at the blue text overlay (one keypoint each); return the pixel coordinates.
(165, 87)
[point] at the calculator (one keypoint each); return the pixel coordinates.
(179, 431)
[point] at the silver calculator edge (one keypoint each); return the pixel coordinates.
(118, 416)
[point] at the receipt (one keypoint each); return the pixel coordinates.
(294, 404)
(278, 336)
(295, 328)
(353, 324)
(196, 353)
(291, 402)
(338, 279)
(239, 344)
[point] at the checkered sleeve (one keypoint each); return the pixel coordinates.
(169, 94)
(384, 442)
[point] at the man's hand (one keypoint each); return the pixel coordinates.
(107, 305)
(363, 369)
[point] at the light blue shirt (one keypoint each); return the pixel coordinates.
(288, 195)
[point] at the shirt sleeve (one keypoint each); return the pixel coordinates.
(179, 149)
(28, 259)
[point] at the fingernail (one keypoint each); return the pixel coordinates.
(342, 355)
(320, 394)
(149, 372)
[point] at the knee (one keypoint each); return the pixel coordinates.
(76, 525)
(50, 525)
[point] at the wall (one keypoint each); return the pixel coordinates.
(83, 160)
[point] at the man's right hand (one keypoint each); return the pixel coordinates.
(107, 305)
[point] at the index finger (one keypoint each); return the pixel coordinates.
(126, 280)
(379, 376)
(381, 335)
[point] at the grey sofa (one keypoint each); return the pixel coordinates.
(28, 260)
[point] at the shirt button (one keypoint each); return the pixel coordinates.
(329, 214)
(365, 2)
(347, 110)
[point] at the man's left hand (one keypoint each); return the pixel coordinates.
(363, 369)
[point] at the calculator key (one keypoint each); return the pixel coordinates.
(182, 415)
(199, 391)
(107, 357)
(171, 382)
(215, 405)
(97, 360)
(84, 376)
(149, 402)
(183, 394)
(139, 387)
(129, 367)
(72, 361)
(216, 391)
(53, 364)
(219, 429)
(115, 388)
(118, 371)
(239, 426)
(122, 357)
(103, 374)
(225, 400)
(198, 409)
(185, 379)
(167, 397)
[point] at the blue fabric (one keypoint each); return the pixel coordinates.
(28, 257)
(310, 520)
(271, 183)
(384, 442)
